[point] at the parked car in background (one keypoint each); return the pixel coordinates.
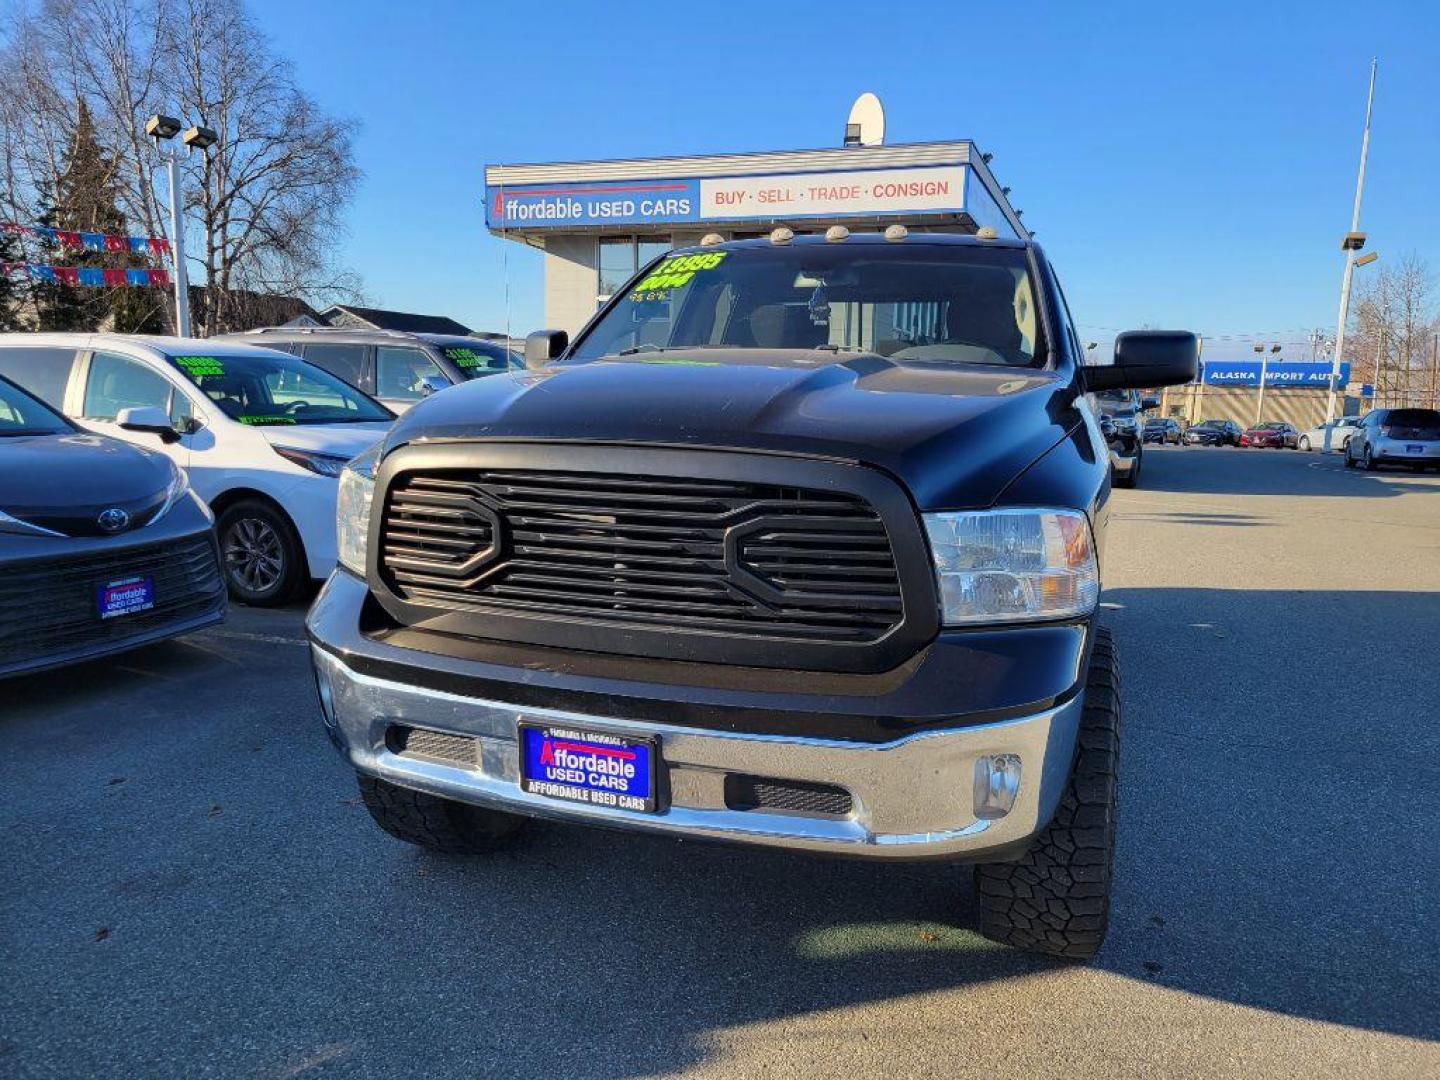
(1120, 419)
(1396, 437)
(1161, 429)
(1275, 434)
(396, 368)
(262, 434)
(1213, 433)
(1340, 432)
(103, 546)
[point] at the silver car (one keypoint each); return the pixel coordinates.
(1341, 430)
(1396, 437)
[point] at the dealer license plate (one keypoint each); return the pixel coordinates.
(1414, 448)
(125, 597)
(591, 767)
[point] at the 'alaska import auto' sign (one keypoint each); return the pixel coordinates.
(1314, 376)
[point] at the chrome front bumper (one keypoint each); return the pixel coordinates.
(911, 798)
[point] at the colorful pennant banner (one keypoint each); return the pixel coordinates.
(89, 276)
(89, 241)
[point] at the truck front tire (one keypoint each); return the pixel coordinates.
(1056, 898)
(435, 823)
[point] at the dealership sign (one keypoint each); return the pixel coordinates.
(933, 189)
(1247, 373)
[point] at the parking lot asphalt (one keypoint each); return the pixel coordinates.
(190, 886)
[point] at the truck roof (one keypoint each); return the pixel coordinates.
(868, 239)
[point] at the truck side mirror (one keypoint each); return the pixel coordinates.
(1145, 358)
(543, 346)
(433, 384)
(148, 418)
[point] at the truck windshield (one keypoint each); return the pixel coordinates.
(945, 303)
(277, 389)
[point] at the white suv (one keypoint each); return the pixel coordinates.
(262, 434)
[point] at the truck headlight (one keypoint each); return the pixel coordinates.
(1013, 565)
(352, 509)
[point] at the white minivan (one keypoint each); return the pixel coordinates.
(262, 434)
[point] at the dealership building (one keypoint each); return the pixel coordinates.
(597, 222)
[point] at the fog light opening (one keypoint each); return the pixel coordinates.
(997, 785)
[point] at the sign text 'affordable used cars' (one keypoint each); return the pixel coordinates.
(934, 189)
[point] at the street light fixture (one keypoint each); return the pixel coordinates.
(199, 138)
(1367, 259)
(162, 129)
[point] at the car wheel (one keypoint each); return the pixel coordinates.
(1056, 898)
(1305, 443)
(263, 558)
(1370, 464)
(429, 821)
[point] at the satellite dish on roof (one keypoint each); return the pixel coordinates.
(866, 126)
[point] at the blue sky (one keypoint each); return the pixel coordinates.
(1190, 169)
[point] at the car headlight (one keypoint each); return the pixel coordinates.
(352, 509)
(324, 464)
(178, 484)
(1013, 565)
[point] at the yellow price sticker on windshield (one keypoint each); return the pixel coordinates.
(674, 272)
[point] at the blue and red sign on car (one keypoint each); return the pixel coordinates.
(592, 767)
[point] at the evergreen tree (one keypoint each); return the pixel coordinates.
(12, 289)
(84, 199)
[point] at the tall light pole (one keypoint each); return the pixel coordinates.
(163, 129)
(1353, 242)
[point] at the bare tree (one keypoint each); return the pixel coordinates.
(1395, 321)
(263, 208)
(270, 193)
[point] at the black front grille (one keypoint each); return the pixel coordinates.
(698, 555)
(50, 608)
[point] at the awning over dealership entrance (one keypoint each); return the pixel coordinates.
(598, 221)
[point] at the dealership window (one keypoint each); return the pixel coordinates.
(620, 258)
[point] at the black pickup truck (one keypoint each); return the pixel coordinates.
(798, 543)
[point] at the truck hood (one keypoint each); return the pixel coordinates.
(338, 440)
(956, 435)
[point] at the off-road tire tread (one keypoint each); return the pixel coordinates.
(1056, 898)
(438, 824)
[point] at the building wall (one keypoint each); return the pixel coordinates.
(1302, 408)
(571, 280)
